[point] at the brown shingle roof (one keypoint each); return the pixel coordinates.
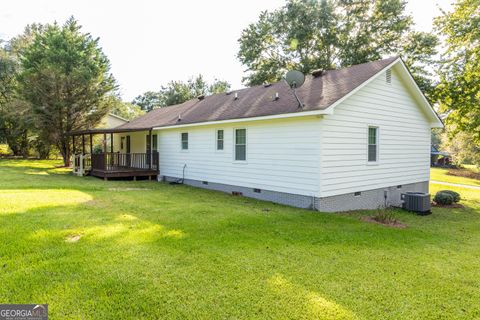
(317, 93)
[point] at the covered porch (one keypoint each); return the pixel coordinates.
(115, 159)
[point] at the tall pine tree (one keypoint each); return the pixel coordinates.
(66, 78)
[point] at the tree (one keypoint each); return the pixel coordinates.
(148, 101)
(419, 51)
(66, 78)
(328, 34)
(125, 110)
(459, 71)
(176, 92)
(14, 113)
(463, 149)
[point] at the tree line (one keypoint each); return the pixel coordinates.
(55, 78)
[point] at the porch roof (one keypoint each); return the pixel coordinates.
(106, 130)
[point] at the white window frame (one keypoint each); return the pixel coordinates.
(377, 144)
(216, 140)
(181, 141)
(235, 145)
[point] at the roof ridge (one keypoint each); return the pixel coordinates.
(259, 100)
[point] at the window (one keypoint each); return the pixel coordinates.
(184, 140)
(219, 139)
(388, 76)
(122, 142)
(240, 144)
(154, 145)
(372, 144)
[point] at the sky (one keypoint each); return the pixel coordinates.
(150, 43)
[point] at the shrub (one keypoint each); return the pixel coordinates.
(97, 149)
(385, 216)
(443, 198)
(455, 195)
(4, 151)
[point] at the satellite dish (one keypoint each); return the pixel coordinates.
(295, 79)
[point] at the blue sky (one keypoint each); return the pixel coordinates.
(152, 42)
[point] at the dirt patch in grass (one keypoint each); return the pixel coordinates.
(393, 224)
(466, 173)
(73, 238)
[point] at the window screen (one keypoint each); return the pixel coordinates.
(185, 141)
(219, 139)
(372, 144)
(240, 144)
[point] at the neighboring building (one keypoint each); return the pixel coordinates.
(438, 158)
(112, 121)
(361, 139)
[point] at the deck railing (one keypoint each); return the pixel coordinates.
(82, 163)
(125, 161)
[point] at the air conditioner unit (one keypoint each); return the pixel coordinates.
(418, 202)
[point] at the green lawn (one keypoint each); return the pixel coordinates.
(441, 174)
(151, 250)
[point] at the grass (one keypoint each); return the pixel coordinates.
(127, 250)
(442, 174)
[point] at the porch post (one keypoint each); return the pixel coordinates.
(104, 143)
(83, 144)
(73, 144)
(105, 151)
(111, 142)
(91, 144)
(150, 155)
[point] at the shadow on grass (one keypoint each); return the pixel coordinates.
(178, 251)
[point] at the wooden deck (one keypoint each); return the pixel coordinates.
(120, 172)
(120, 165)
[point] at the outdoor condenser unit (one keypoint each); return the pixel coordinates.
(418, 202)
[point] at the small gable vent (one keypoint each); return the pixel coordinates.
(388, 76)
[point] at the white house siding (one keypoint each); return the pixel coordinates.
(404, 140)
(282, 155)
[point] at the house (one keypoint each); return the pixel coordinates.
(80, 163)
(439, 158)
(361, 139)
(112, 121)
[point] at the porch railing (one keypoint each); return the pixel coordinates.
(82, 163)
(125, 161)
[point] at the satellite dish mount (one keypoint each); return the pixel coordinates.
(295, 79)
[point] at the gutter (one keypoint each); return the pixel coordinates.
(271, 117)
